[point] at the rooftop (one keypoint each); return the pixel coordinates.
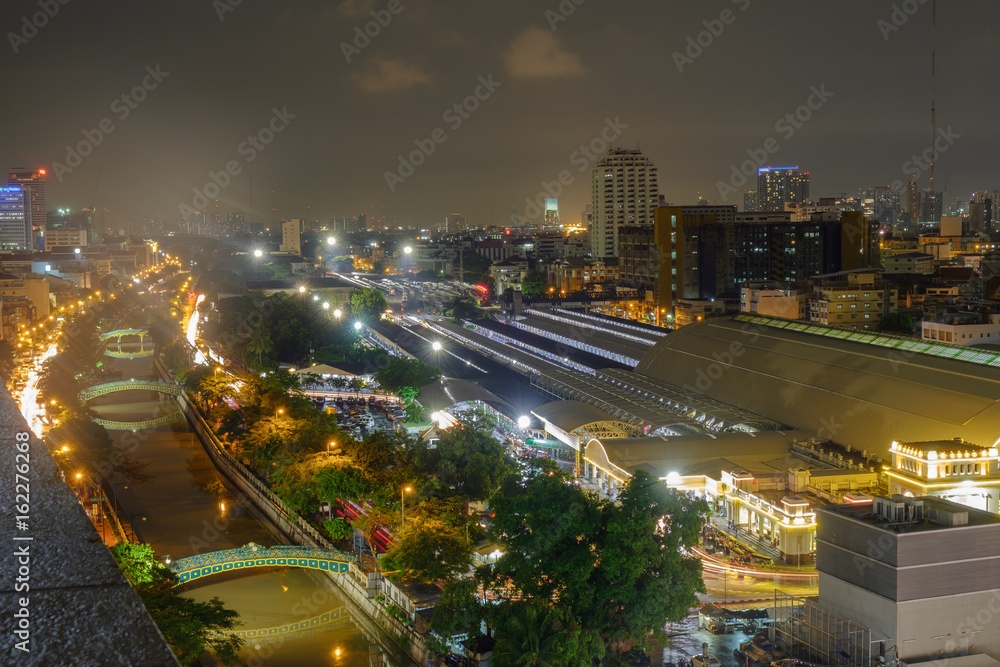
(932, 506)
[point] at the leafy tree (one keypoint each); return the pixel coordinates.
(459, 610)
(617, 570)
(898, 322)
(367, 305)
(7, 362)
(339, 529)
(462, 308)
(187, 625)
(401, 372)
(259, 351)
(533, 283)
(343, 483)
(529, 636)
(429, 551)
(470, 461)
(342, 263)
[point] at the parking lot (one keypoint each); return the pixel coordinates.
(362, 415)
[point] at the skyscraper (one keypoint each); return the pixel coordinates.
(291, 231)
(778, 185)
(930, 206)
(551, 211)
(454, 224)
(33, 182)
(625, 191)
(15, 218)
(750, 204)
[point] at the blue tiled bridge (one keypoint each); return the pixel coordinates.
(230, 560)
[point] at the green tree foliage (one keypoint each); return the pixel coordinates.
(187, 625)
(430, 550)
(897, 322)
(470, 461)
(462, 308)
(616, 569)
(368, 305)
(342, 263)
(402, 372)
(529, 635)
(7, 362)
(533, 284)
(339, 529)
(459, 610)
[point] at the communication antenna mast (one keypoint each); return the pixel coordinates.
(933, 91)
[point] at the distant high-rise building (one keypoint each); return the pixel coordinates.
(930, 206)
(362, 224)
(33, 182)
(625, 192)
(291, 233)
(235, 224)
(587, 216)
(15, 218)
(778, 185)
(454, 224)
(551, 211)
(750, 203)
(981, 212)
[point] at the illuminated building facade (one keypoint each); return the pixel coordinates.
(625, 190)
(955, 470)
(15, 218)
(31, 181)
(777, 186)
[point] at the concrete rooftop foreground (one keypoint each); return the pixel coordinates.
(81, 610)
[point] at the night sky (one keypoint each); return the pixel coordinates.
(607, 60)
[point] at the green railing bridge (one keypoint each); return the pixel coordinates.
(118, 333)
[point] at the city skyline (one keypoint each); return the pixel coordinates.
(492, 103)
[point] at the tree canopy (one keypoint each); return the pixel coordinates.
(367, 305)
(188, 626)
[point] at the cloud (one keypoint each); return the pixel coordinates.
(391, 75)
(537, 53)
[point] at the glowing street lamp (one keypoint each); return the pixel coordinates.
(436, 346)
(330, 240)
(258, 253)
(326, 306)
(337, 313)
(407, 250)
(523, 421)
(357, 326)
(402, 507)
(302, 290)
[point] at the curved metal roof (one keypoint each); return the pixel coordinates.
(572, 415)
(855, 392)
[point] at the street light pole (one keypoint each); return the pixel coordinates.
(402, 508)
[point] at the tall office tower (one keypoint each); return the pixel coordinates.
(981, 212)
(15, 218)
(33, 182)
(750, 203)
(625, 190)
(291, 231)
(886, 205)
(454, 224)
(930, 206)
(778, 185)
(551, 211)
(361, 224)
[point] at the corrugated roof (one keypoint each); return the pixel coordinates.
(571, 415)
(864, 392)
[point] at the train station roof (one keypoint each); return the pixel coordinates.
(861, 389)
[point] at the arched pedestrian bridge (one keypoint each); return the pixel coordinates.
(255, 555)
(325, 622)
(118, 333)
(113, 425)
(128, 385)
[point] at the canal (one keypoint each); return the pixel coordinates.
(190, 508)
